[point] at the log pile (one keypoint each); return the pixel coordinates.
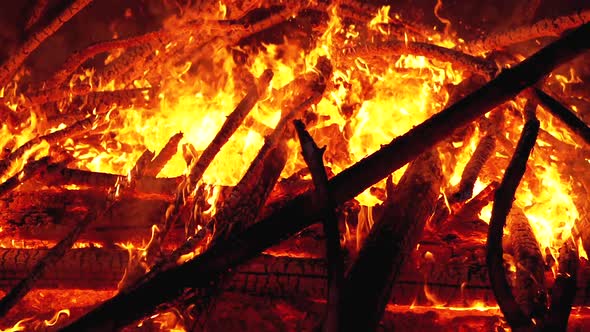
(191, 245)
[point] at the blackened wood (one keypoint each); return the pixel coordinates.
(31, 169)
(313, 156)
(302, 211)
(392, 239)
(564, 289)
(471, 209)
(564, 114)
(504, 196)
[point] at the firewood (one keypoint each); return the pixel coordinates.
(167, 152)
(313, 156)
(514, 315)
(567, 116)
(58, 93)
(14, 61)
(233, 121)
(564, 289)
(98, 180)
(399, 47)
(485, 149)
(37, 11)
(394, 236)
(529, 288)
(31, 169)
(301, 211)
(198, 167)
(471, 209)
(551, 27)
(8, 163)
(52, 256)
(245, 201)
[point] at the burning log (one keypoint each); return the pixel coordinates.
(485, 149)
(81, 126)
(564, 114)
(198, 167)
(11, 65)
(504, 196)
(167, 152)
(399, 47)
(372, 276)
(31, 169)
(471, 209)
(98, 180)
(545, 28)
(529, 286)
(234, 120)
(313, 156)
(564, 289)
(37, 11)
(302, 211)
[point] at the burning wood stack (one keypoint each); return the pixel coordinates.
(179, 175)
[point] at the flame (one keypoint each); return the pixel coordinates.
(55, 318)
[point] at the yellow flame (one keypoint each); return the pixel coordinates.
(56, 317)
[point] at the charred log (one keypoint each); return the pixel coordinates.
(371, 278)
(529, 288)
(504, 196)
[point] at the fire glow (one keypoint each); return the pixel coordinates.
(373, 94)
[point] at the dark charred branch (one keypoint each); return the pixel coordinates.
(516, 318)
(14, 61)
(392, 239)
(31, 169)
(313, 156)
(471, 209)
(302, 211)
(545, 28)
(564, 114)
(529, 288)
(564, 289)
(167, 152)
(141, 164)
